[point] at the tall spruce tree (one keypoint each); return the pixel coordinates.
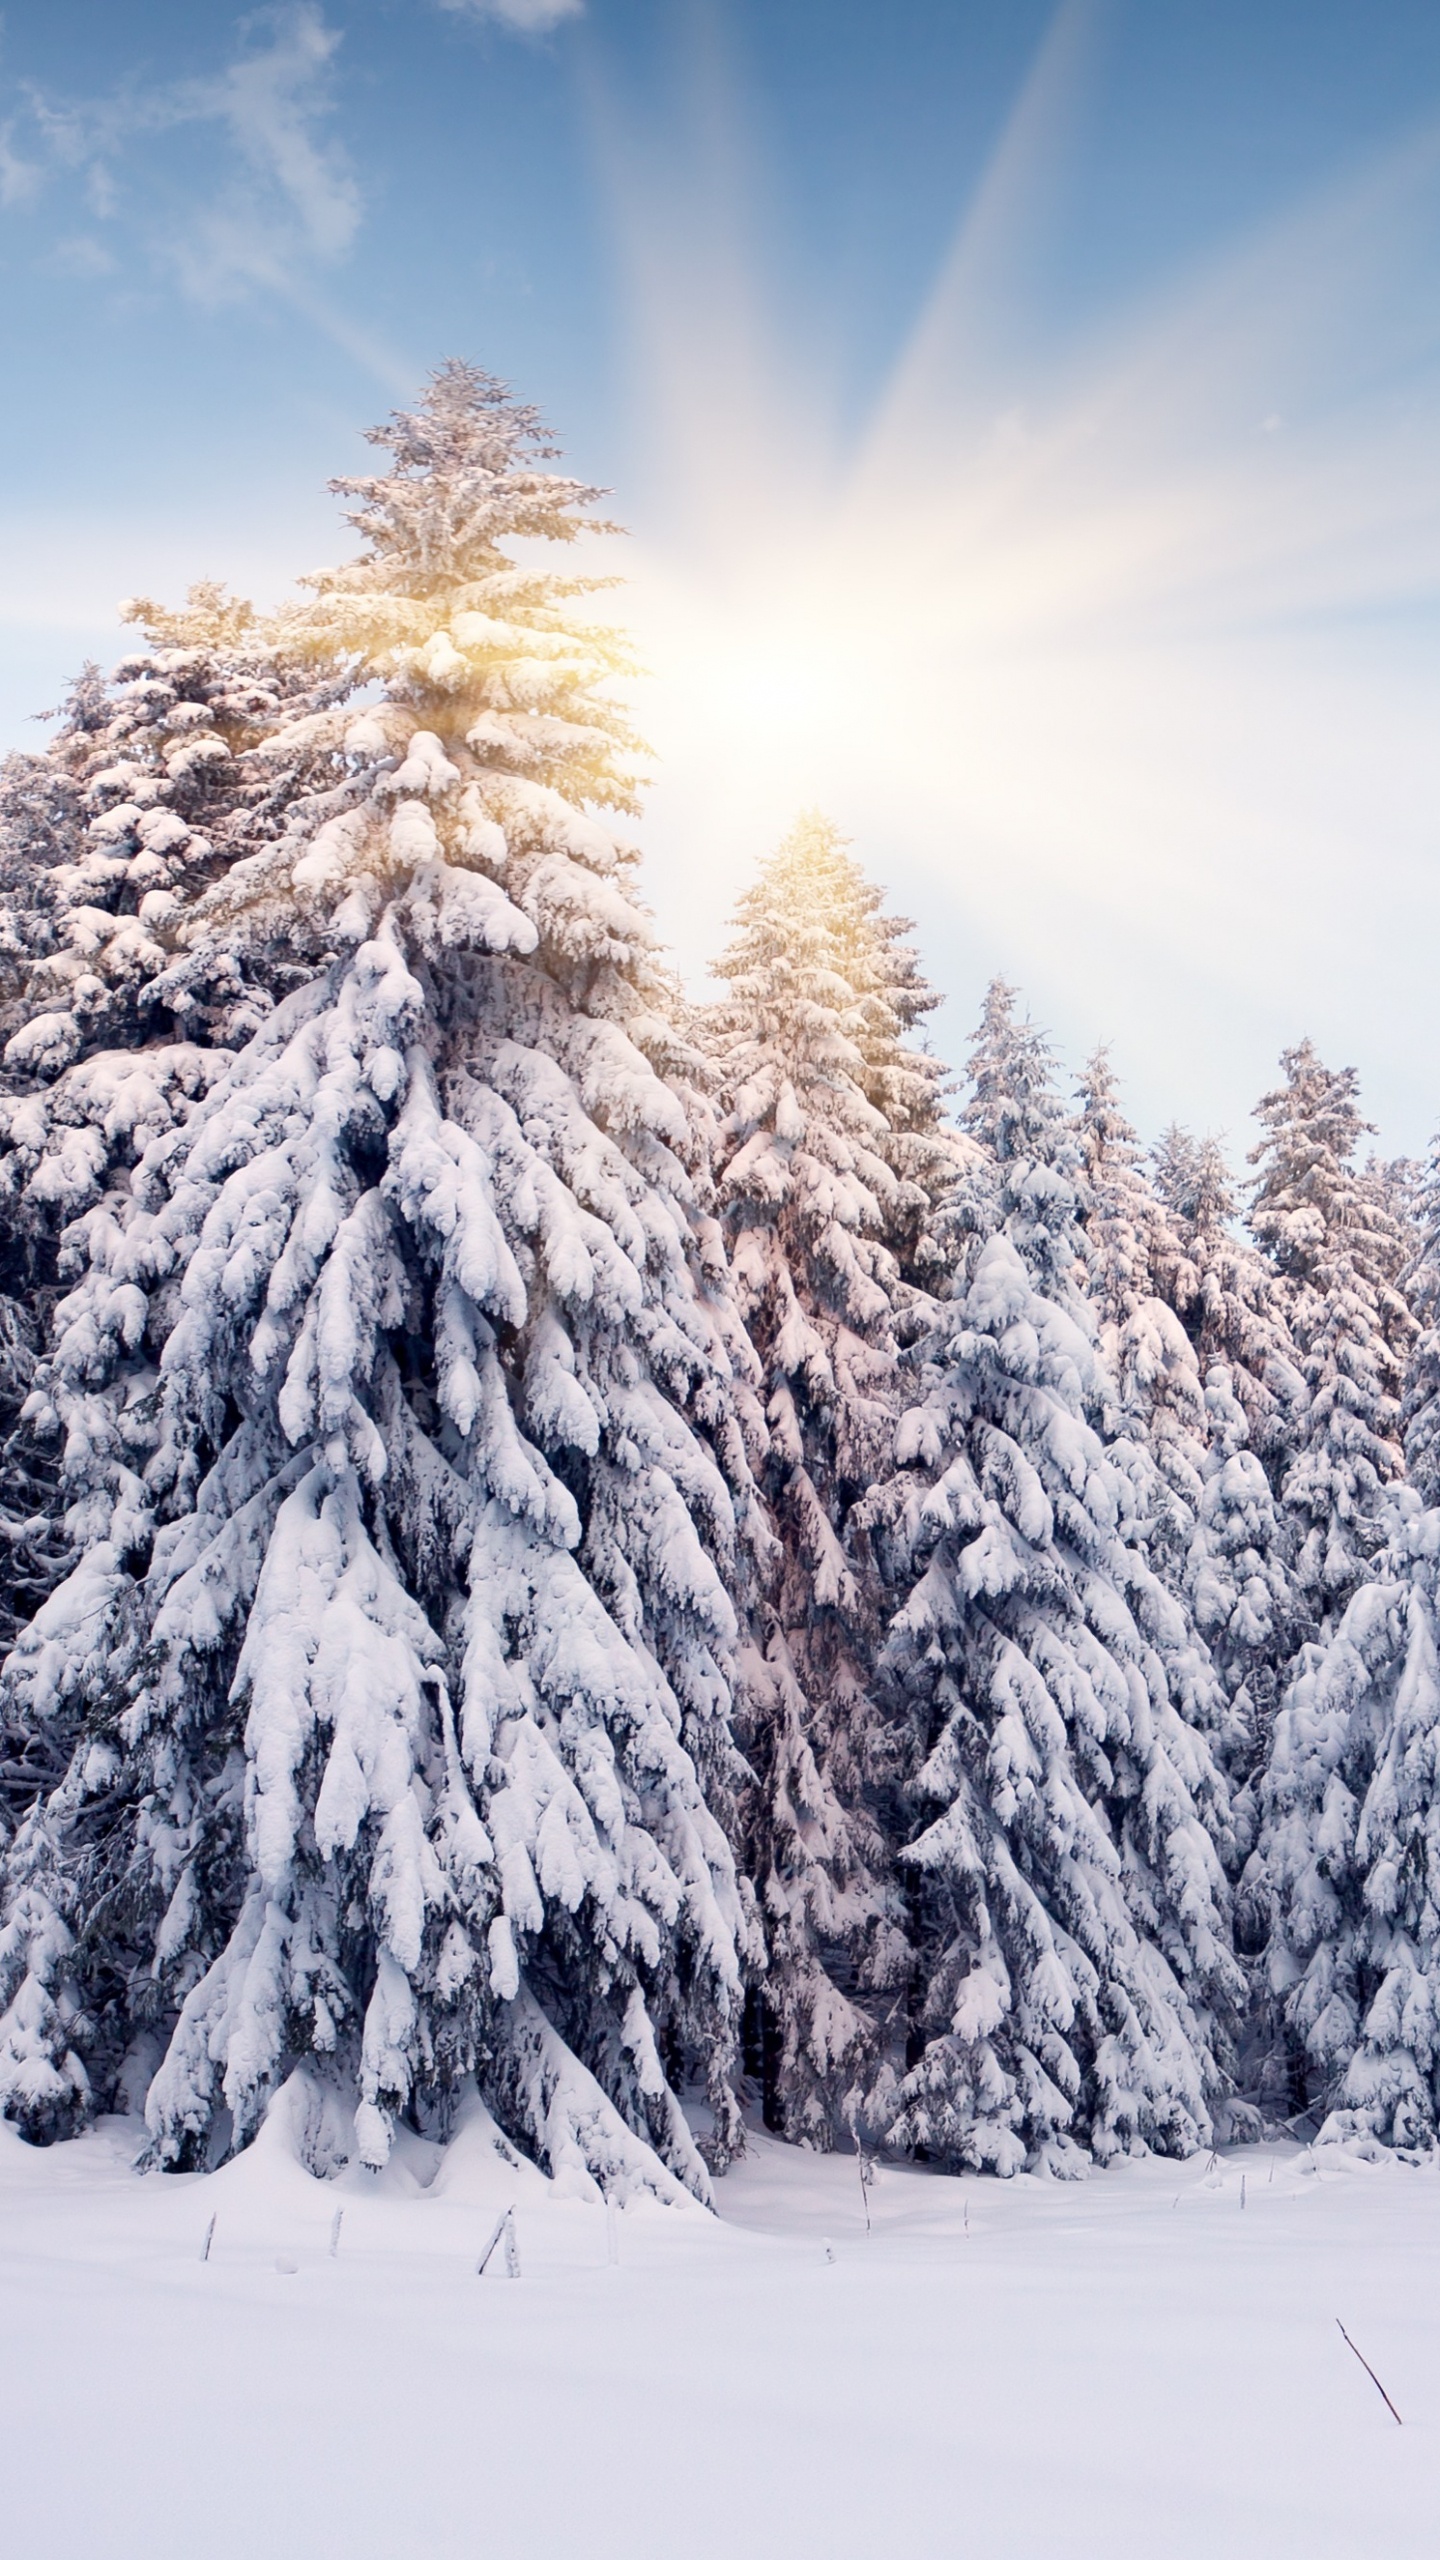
(1420, 1407)
(1355, 1969)
(1131, 1248)
(398, 1405)
(1332, 1234)
(1239, 1581)
(1231, 1300)
(1024, 1173)
(32, 1548)
(1241, 1564)
(1073, 1916)
(156, 781)
(111, 1027)
(832, 1160)
(1375, 2032)
(1205, 1514)
(1238, 1569)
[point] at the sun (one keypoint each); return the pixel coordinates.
(1117, 682)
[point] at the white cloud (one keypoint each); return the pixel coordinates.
(527, 17)
(83, 255)
(284, 199)
(272, 101)
(19, 178)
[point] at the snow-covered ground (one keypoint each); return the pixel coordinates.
(1135, 2365)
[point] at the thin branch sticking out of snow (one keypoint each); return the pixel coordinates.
(1374, 2376)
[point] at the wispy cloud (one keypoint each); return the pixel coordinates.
(293, 189)
(527, 17)
(19, 177)
(283, 201)
(82, 255)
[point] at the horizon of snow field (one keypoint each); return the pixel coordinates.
(1147, 2360)
(1083, 569)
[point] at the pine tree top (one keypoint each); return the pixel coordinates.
(484, 647)
(1134, 1249)
(152, 786)
(1420, 1411)
(1026, 1175)
(1107, 1137)
(1312, 1210)
(1214, 1199)
(210, 620)
(462, 484)
(821, 978)
(1130, 1231)
(1014, 1110)
(1422, 1279)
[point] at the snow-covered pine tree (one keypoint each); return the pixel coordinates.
(1420, 1408)
(152, 786)
(1024, 1172)
(1239, 1582)
(1349, 1859)
(110, 1027)
(904, 1081)
(1205, 1512)
(1368, 2002)
(831, 1161)
(1174, 1162)
(32, 1545)
(1232, 1304)
(1331, 1232)
(399, 1409)
(1073, 1911)
(1131, 1249)
(1029, 1179)
(1217, 1536)
(1230, 1299)
(32, 1550)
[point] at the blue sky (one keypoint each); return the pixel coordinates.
(1026, 423)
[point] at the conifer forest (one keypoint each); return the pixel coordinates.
(652, 1556)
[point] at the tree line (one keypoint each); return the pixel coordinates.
(622, 1550)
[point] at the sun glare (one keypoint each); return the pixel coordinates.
(1065, 647)
(769, 690)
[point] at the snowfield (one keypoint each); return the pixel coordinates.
(1134, 2365)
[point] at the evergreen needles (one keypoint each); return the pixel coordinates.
(603, 1550)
